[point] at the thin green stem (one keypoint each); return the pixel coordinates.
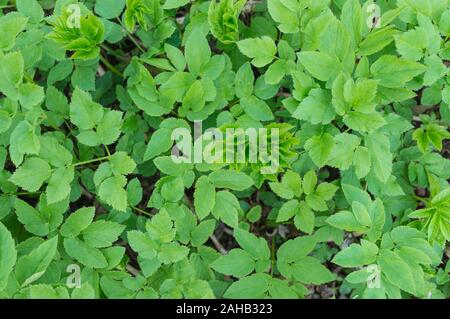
(110, 66)
(272, 248)
(141, 211)
(26, 193)
(69, 128)
(111, 52)
(28, 78)
(136, 43)
(130, 36)
(107, 151)
(420, 198)
(91, 161)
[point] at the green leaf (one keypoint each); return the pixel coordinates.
(361, 95)
(173, 4)
(160, 142)
(309, 182)
(305, 219)
(33, 266)
(393, 72)
(361, 214)
(59, 187)
(352, 18)
(172, 189)
(362, 161)
(223, 19)
(309, 270)
(237, 263)
(255, 246)
(30, 95)
(195, 97)
(172, 253)
(319, 148)
(230, 179)
(122, 164)
(285, 14)
(243, 82)
(342, 153)
(53, 152)
(436, 69)
(8, 255)
(256, 108)
(288, 210)
(320, 65)
(397, 271)
(85, 254)
(31, 9)
(202, 232)
(365, 123)
(379, 149)
(254, 214)
(346, 220)
(326, 191)
(296, 249)
(175, 56)
(316, 108)
(254, 286)
(160, 227)
(113, 193)
(77, 222)
(355, 194)
(10, 26)
(226, 208)
(142, 244)
(357, 255)
(377, 40)
(276, 72)
(197, 51)
(109, 128)
(261, 50)
(109, 9)
(204, 197)
(31, 174)
(33, 221)
(102, 234)
(282, 190)
(293, 180)
(85, 113)
(316, 202)
(167, 165)
(11, 73)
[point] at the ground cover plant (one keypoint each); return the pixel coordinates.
(119, 177)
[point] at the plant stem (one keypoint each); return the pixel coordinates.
(272, 248)
(110, 66)
(136, 43)
(107, 151)
(91, 161)
(130, 36)
(28, 78)
(218, 245)
(111, 52)
(141, 211)
(26, 193)
(425, 200)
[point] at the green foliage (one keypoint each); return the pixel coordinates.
(83, 37)
(96, 97)
(223, 19)
(135, 12)
(435, 215)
